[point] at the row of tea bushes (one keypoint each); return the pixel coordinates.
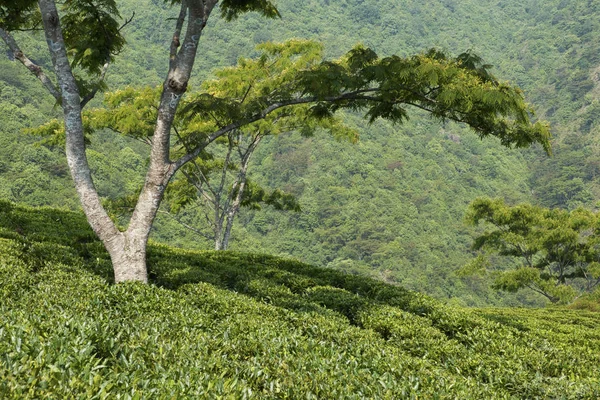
(232, 325)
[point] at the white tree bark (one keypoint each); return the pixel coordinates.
(75, 144)
(127, 249)
(30, 65)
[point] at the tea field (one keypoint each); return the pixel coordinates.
(224, 325)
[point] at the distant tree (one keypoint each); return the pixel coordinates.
(83, 36)
(556, 251)
(219, 188)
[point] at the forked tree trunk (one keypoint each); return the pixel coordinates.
(127, 249)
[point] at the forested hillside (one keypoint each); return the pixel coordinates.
(391, 206)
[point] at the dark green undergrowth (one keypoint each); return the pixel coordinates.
(233, 325)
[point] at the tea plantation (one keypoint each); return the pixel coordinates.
(231, 325)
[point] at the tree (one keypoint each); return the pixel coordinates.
(556, 251)
(216, 181)
(208, 184)
(84, 36)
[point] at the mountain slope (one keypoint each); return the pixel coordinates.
(391, 206)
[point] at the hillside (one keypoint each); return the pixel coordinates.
(235, 325)
(392, 206)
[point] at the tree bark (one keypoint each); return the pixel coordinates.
(97, 217)
(129, 263)
(241, 185)
(128, 256)
(127, 249)
(30, 65)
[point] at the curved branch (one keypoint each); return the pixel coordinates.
(549, 297)
(30, 65)
(261, 115)
(127, 21)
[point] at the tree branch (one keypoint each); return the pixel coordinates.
(201, 175)
(549, 297)
(127, 21)
(226, 164)
(199, 188)
(97, 216)
(186, 226)
(30, 65)
(261, 115)
(175, 43)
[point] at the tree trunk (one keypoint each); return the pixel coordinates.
(227, 235)
(218, 231)
(128, 256)
(127, 249)
(241, 185)
(219, 244)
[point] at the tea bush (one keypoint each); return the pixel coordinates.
(233, 325)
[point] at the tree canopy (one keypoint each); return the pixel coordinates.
(450, 88)
(556, 252)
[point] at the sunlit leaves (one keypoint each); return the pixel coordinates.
(52, 133)
(460, 89)
(239, 93)
(129, 111)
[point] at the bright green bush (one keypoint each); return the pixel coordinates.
(232, 325)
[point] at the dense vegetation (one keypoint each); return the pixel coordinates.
(232, 325)
(393, 207)
(243, 324)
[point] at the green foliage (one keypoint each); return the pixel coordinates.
(254, 195)
(459, 89)
(238, 93)
(245, 325)
(556, 250)
(231, 9)
(129, 111)
(17, 14)
(589, 301)
(91, 32)
(390, 209)
(206, 181)
(90, 29)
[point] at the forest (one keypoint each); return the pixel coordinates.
(400, 187)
